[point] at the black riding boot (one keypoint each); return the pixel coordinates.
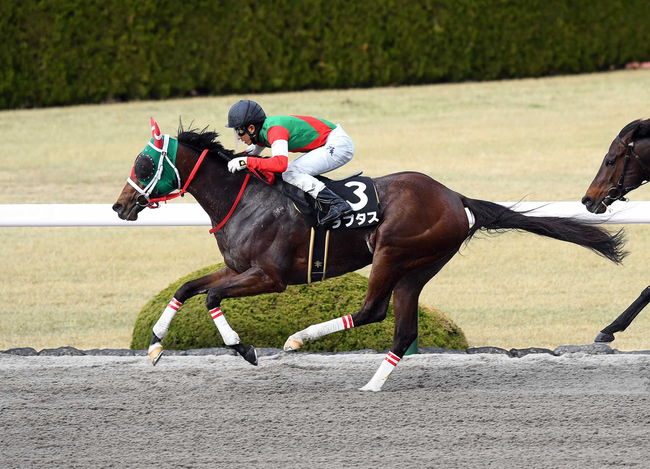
(337, 206)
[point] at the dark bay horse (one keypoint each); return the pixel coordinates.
(625, 167)
(265, 243)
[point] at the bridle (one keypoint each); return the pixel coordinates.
(618, 191)
(144, 199)
(160, 143)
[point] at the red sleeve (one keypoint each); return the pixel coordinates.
(277, 164)
(277, 132)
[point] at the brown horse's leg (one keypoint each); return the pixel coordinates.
(380, 286)
(405, 305)
(220, 284)
(253, 281)
(184, 293)
(625, 318)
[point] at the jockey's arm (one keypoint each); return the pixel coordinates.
(278, 138)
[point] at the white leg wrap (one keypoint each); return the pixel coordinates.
(162, 326)
(387, 366)
(319, 330)
(229, 336)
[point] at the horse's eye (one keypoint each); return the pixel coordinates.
(610, 162)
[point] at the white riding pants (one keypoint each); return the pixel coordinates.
(337, 151)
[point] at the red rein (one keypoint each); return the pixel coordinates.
(167, 197)
(187, 183)
(234, 205)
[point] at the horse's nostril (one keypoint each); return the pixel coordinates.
(586, 200)
(117, 207)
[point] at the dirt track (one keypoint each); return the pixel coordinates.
(304, 410)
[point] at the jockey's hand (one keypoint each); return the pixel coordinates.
(237, 164)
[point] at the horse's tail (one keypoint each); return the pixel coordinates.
(494, 217)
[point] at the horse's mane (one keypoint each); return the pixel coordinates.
(200, 139)
(640, 127)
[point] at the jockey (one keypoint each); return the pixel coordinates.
(324, 146)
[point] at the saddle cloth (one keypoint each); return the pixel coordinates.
(359, 191)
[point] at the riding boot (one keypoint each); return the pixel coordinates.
(337, 207)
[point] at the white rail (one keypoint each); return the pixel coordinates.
(191, 214)
(179, 214)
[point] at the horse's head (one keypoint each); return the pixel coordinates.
(154, 174)
(625, 167)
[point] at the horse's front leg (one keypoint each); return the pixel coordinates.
(254, 281)
(184, 293)
(201, 285)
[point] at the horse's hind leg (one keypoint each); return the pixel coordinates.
(370, 312)
(405, 305)
(625, 319)
(380, 286)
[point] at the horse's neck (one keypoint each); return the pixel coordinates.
(216, 190)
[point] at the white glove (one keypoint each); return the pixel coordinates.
(254, 150)
(237, 164)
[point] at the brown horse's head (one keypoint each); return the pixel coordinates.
(625, 167)
(147, 177)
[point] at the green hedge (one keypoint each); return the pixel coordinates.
(84, 51)
(267, 320)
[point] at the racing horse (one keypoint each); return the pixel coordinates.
(625, 167)
(265, 240)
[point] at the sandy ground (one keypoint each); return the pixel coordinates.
(304, 410)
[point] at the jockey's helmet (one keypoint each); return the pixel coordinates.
(244, 113)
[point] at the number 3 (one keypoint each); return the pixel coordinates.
(360, 193)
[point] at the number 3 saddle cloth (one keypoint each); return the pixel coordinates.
(359, 191)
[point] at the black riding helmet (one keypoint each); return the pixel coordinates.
(244, 113)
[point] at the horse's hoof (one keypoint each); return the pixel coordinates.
(248, 352)
(291, 345)
(155, 352)
(604, 337)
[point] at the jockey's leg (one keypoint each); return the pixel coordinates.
(337, 151)
(337, 207)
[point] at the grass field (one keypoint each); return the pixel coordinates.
(536, 139)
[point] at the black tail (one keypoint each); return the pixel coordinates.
(494, 217)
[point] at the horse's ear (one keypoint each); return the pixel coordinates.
(627, 138)
(155, 132)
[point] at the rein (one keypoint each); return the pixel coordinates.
(155, 203)
(234, 205)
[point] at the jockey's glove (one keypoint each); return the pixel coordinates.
(237, 164)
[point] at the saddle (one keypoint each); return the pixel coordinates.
(359, 191)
